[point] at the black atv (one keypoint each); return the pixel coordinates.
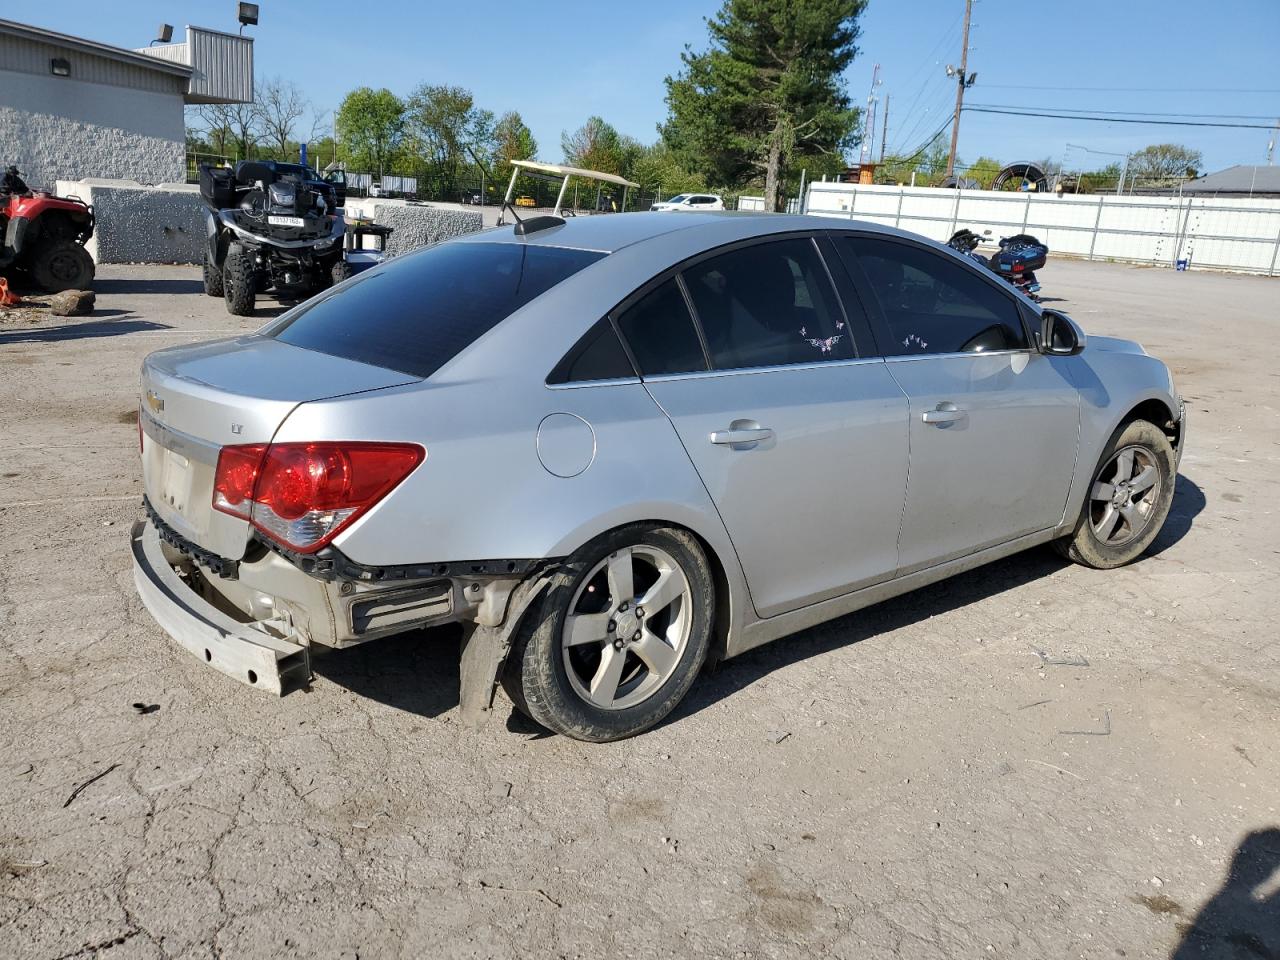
(271, 226)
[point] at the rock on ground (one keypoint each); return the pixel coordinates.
(72, 303)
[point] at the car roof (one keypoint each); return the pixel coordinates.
(609, 233)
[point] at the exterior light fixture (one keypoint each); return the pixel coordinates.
(164, 34)
(60, 66)
(248, 15)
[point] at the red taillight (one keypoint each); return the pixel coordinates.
(234, 478)
(1017, 267)
(304, 494)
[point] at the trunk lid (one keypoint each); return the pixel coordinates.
(197, 399)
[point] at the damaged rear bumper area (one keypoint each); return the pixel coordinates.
(258, 619)
(247, 652)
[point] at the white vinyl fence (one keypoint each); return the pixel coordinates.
(1213, 233)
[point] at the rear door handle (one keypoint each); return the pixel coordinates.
(736, 435)
(945, 412)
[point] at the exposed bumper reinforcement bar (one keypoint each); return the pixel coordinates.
(240, 650)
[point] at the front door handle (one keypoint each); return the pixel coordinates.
(742, 432)
(945, 412)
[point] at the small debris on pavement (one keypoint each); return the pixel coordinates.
(500, 789)
(1104, 732)
(80, 788)
(777, 736)
(1076, 661)
(145, 708)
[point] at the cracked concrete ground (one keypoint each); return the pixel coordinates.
(1031, 760)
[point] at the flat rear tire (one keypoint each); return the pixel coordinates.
(618, 637)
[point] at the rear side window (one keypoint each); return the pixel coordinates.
(597, 356)
(416, 313)
(661, 334)
(933, 304)
(769, 304)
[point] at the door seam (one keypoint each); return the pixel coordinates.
(710, 499)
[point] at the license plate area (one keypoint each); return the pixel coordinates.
(175, 480)
(276, 221)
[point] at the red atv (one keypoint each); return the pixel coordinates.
(43, 236)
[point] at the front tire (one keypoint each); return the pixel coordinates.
(62, 265)
(238, 283)
(618, 637)
(1127, 501)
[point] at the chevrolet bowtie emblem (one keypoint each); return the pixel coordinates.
(154, 401)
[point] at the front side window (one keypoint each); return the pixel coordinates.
(769, 304)
(661, 334)
(417, 312)
(930, 303)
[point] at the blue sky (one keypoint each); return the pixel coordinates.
(559, 61)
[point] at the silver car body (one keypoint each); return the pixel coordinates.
(852, 497)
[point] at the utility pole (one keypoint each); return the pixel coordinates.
(869, 128)
(884, 133)
(961, 84)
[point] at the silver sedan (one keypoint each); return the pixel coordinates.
(617, 448)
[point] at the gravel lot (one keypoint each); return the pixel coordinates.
(1031, 760)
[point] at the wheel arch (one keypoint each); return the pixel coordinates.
(732, 600)
(1157, 411)
(1153, 406)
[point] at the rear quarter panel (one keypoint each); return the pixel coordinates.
(483, 492)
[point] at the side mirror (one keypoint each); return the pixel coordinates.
(1059, 335)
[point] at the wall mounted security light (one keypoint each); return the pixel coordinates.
(248, 14)
(60, 67)
(164, 34)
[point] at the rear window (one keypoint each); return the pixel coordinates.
(417, 312)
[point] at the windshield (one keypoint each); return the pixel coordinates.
(679, 198)
(417, 312)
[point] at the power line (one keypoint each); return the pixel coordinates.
(925, 146)
(1135, 113)
(1020, 86)
(1157, 123)
(930, 80)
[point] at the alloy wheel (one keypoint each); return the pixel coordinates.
(627, 627)
(1124, 496)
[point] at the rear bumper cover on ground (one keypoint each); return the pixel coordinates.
(240, 650)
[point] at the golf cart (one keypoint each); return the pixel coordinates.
(554, 171)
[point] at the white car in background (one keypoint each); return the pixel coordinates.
(691, 201)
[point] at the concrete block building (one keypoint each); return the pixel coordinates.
(72, 108)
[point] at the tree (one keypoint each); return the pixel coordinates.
(658, 169)
(768, 90)
(512, 140)
(371, 124)
(1165, 161)
(231, 128)
(984, 171)
(449, 130)
(279, 105)
(596, 145)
